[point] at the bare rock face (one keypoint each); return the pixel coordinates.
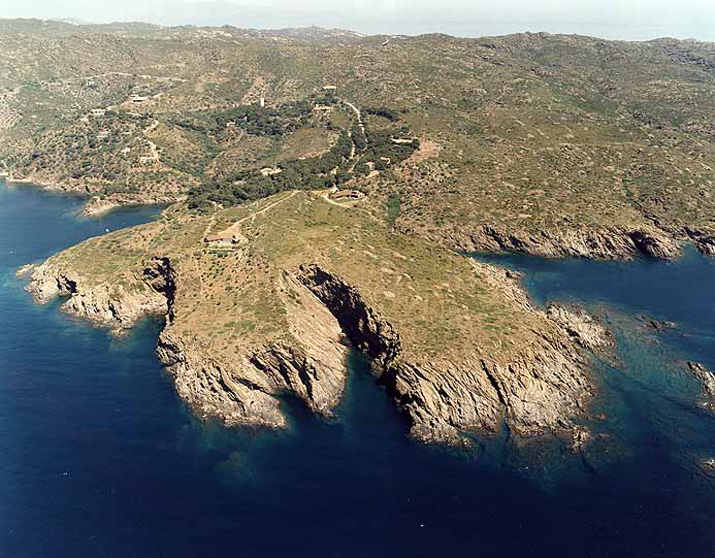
(214, 389)
(111, 306)
(541, 388)
(601, 244)
(309, 362)
(580, 326)
(655, 245)
(707, 381)
(704, 240)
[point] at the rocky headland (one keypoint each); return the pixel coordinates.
(457, 344)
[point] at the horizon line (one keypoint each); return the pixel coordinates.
(77, 22)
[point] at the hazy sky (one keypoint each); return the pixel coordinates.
(620, 19)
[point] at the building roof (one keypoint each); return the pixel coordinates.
(347, 194)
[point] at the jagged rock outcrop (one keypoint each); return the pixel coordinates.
(707, 381)
(601, 244)
(115, 306)
(536, 385)
(704, 240)
(213, 389)
(541, 387)
(308, 362)
(581, 327)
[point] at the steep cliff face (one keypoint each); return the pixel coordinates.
(309, 362)
(456, 343)
(214, 389)
(115, 306)
(603, 244)
(540, 388)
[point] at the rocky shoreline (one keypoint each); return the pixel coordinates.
(605, 243)
(597, 244)
(706, 378)
(536, 390)
(99, 205)
(96, 204)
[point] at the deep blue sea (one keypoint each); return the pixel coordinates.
(100, 458)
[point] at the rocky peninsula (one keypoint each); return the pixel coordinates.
(457, 344)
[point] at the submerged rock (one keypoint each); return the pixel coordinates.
(655, 324)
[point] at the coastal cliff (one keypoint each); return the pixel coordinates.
(310, 362)
(534, 391)
(113, 306)
(598, 244)
(457, 344)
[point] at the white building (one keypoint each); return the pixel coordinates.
(270, 171)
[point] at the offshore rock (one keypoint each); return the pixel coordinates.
(707, 381)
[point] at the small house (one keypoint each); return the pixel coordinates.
(403, 141)
(218, 240)
(270, 171)
(97, 112)
(347, 195)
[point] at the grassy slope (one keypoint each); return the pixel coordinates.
(535, 132)
(228, 299)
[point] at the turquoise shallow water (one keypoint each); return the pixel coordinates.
(98, 456)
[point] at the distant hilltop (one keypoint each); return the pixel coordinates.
(69, 26)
